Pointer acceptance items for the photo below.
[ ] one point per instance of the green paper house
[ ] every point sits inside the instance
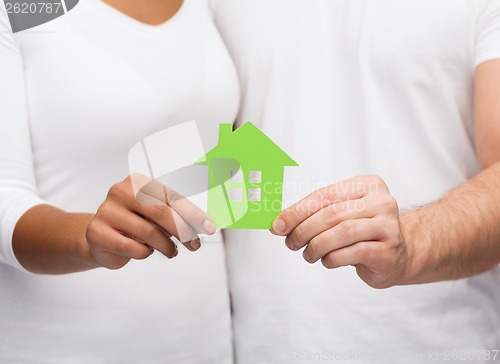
(245, 178)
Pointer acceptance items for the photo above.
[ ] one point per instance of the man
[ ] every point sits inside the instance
(379, 95)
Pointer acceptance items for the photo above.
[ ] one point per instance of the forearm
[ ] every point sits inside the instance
(458, 236)
(47, 240)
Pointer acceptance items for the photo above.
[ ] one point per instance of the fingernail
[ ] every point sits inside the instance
(175, 253)
(195, 244)
(209, 226)
(306, 256)
(289, 243)
(279, 226)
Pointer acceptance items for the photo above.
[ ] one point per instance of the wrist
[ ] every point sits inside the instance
(83, 248)
(418, 262)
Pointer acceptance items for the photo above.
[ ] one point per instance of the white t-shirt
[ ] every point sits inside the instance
(75, 95)
(347, 88)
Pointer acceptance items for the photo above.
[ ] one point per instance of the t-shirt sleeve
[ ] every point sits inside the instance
(18, 191)
(487, 31)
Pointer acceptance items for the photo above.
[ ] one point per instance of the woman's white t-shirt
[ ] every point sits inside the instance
(351, 87)
(75, 95)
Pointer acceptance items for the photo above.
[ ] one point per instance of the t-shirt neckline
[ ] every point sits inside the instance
(117, 16)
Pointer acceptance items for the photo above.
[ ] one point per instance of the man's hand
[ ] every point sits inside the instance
(354, 222)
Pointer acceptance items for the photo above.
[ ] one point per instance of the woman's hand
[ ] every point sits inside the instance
(355, 222)
(140, 216)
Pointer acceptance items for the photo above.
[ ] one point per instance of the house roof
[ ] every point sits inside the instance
(248, 144)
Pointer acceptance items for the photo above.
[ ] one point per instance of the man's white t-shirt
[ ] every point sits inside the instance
(351, 87)
(75, 95)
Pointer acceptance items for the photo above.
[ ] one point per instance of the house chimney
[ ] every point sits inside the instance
(225, 131)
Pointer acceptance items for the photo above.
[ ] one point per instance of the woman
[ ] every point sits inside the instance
(76, 94)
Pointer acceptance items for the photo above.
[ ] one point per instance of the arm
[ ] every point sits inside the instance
(457, 237)
(356, 222)
(51, 241)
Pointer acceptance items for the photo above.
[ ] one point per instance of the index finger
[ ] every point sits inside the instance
(192, 214)
(292, 216)
(153, 192)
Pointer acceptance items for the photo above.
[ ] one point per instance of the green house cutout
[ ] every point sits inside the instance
(245, 184)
